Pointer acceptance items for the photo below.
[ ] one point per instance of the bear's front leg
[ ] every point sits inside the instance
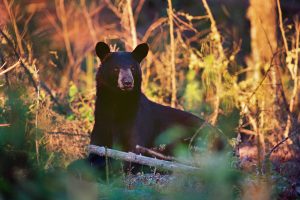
(101, 136)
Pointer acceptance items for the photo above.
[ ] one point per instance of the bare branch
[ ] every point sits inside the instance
(152, 27)
(10, 68)
(143, 160)
(281, 27)
(138, 9)
(292, 134)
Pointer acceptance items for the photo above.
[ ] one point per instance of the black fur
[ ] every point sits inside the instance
(128, 118)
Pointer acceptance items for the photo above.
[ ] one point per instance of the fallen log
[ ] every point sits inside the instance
(140, 159)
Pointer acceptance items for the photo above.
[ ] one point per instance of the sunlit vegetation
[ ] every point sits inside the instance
(199, 61)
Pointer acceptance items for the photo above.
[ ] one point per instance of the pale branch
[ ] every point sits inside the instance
(143, 160)
(4, 125)
(172, 54)
(10, 68)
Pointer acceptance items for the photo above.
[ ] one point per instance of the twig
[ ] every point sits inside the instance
(207, 124)
(214, 29)
(267, 157)
(281, 27)
(263, 79)
(187, 25)
(4, 64)
(261, 151)
(138, 9)
(152, 27)
(246, 131)
(37, 149)
(113, 9)
(143, 160)
(153, 153)
(196, 134)
(13, 21)
(294, 72)
(158, 155)
(217, 37)
(280, 143)
(61, 13)
(10, 68)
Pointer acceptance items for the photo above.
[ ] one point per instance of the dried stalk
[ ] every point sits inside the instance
(158, 155)
(214, 115)
(10, 68)
(259, 139)
(294, 72)
(143, 160)
(281, 27)
(61, 13)
(246, 131)
(151, 152)
(88, 20)
(113, 9)
(172, 54)
(152, 27)
(138, 9)
(214, 30)
(132, 24)
(14, 22)
(217, 37)
(36, 126)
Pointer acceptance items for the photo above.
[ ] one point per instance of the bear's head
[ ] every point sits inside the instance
(120, 71)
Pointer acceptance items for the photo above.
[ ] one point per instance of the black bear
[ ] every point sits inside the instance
(123, 114)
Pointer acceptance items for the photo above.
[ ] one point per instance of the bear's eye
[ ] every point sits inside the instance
(132, 68)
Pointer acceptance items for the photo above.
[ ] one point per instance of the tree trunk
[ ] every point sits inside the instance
(262, 16)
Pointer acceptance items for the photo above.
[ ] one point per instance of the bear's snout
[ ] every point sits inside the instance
(125, 80)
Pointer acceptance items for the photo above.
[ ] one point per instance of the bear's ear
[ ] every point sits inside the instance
(140, 52)
(102, 49)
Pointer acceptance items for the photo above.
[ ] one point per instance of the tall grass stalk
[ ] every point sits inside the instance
(132, 24)
(172, 54)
